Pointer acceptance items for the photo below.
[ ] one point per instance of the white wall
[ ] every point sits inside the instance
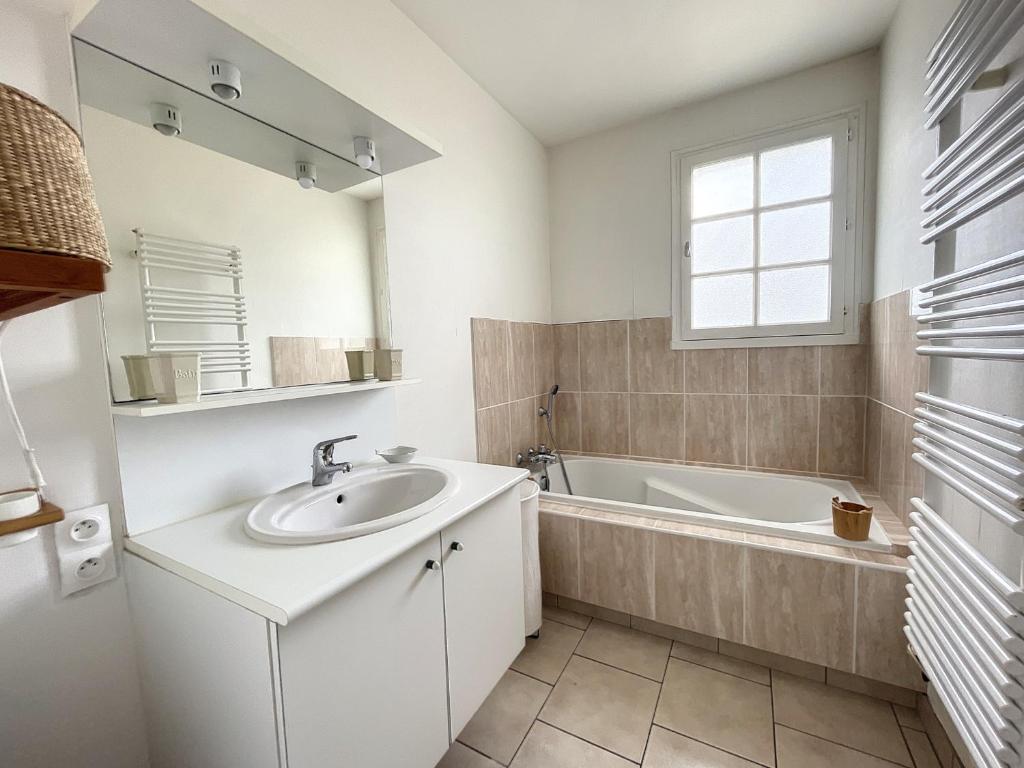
(467, 233)
(905, 148)
(611, 214)
(69, 693)
(305, 252)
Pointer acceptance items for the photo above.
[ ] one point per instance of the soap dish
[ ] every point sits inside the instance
(400, 454)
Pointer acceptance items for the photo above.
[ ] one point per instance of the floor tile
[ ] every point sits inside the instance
(461, 756)
(908, 717)
(501, 723)
(921, 749)
(547, 747)
(603, 705)
(719, 709)
(801, 750)
(625, 648)
(545, 657)
(672, 750)
(838, 715)
(727, 664)
(562, 616)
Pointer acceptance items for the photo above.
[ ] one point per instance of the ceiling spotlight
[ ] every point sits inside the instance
(165, 118)
(366, 152)
(225, 79)
(306, 174)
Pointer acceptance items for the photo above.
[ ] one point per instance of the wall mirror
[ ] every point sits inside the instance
(246, 227)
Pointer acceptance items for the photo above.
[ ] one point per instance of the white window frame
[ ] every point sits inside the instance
(842, 327)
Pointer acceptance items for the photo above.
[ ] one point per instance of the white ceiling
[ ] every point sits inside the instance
(566, 68)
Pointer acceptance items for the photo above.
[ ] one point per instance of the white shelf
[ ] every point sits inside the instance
(144, 409)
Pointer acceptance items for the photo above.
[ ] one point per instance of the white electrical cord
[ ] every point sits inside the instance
(29, 453)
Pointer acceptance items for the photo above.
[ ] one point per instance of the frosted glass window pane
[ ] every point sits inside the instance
(722, 301)
(723, 187)
(803, 233)
(797, 172)
(799, 295)
(722, 244)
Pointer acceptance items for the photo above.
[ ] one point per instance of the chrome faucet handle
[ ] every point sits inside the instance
(323, 460)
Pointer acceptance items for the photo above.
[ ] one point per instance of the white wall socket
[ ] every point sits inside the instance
(85, 548)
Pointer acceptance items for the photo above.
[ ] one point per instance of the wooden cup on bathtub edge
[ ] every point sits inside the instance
(851, 521)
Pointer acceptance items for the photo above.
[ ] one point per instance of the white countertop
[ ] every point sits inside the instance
(281, 582)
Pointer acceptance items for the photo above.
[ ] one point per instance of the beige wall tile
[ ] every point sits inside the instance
(784, 663)
(876, 350)
(604, 423)
(523, 362)
(567, 424)
(656, 426)
(493, 444)
(841, 436)
(567, 356)
(603, 358)
(784, 370)
(873, 444)
(716, 429)
(653, 365)
(559, 554)
(801, 607)
(544, 356)
(490, 361)
(892, 465)
(697, 585)
(617, 567)
(881, 645)
(716, 371)
(524, 424)
(844, 370)
(292, 360)
(783, 432)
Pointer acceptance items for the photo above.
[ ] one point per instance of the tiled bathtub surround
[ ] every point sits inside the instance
(837, 608)
(625, 392)
(513, 366)
(895, 374)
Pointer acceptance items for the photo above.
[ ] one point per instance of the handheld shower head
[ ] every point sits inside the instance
(550, 410)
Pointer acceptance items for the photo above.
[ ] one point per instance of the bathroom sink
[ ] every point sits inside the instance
(364, 501)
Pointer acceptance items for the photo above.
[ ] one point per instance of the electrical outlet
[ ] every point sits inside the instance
(83, 529)
(84, 568)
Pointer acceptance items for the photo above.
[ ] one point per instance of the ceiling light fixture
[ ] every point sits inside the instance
(366, 152)
(305, 173)
(225, 79)
(165, 118)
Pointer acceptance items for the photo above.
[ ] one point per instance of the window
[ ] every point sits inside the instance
(765, 238)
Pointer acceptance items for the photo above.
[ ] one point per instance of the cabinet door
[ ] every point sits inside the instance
(483, 594)
(363, 676)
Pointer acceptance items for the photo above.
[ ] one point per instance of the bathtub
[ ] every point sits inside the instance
(761, 502)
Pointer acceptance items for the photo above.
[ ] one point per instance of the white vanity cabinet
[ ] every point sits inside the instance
(383, 674)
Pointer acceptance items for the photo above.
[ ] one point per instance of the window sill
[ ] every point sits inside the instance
(817, 340)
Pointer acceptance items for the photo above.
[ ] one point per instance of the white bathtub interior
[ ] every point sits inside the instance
(773, 504)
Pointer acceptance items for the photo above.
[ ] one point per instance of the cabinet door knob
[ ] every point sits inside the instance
(457, 546)
(433, 565)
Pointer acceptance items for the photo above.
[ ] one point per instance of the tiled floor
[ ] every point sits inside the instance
(590, 694)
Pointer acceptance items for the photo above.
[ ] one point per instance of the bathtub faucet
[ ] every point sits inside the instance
(537, 456)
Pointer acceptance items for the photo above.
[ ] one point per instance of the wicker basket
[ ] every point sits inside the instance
(47, 203)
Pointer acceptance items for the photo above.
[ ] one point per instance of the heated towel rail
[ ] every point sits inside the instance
(193, 291)
(965, 618)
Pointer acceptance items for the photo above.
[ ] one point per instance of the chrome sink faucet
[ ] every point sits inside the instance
(323, 460)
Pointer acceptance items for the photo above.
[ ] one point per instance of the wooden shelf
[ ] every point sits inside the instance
(48, 513)
(33, 281)
(148, 408)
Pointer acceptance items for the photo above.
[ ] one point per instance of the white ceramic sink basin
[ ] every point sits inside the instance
(367, 500)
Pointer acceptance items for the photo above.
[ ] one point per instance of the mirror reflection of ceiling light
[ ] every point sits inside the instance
(165, 118)
(225, 79)
(366, 152)
(305, 173)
